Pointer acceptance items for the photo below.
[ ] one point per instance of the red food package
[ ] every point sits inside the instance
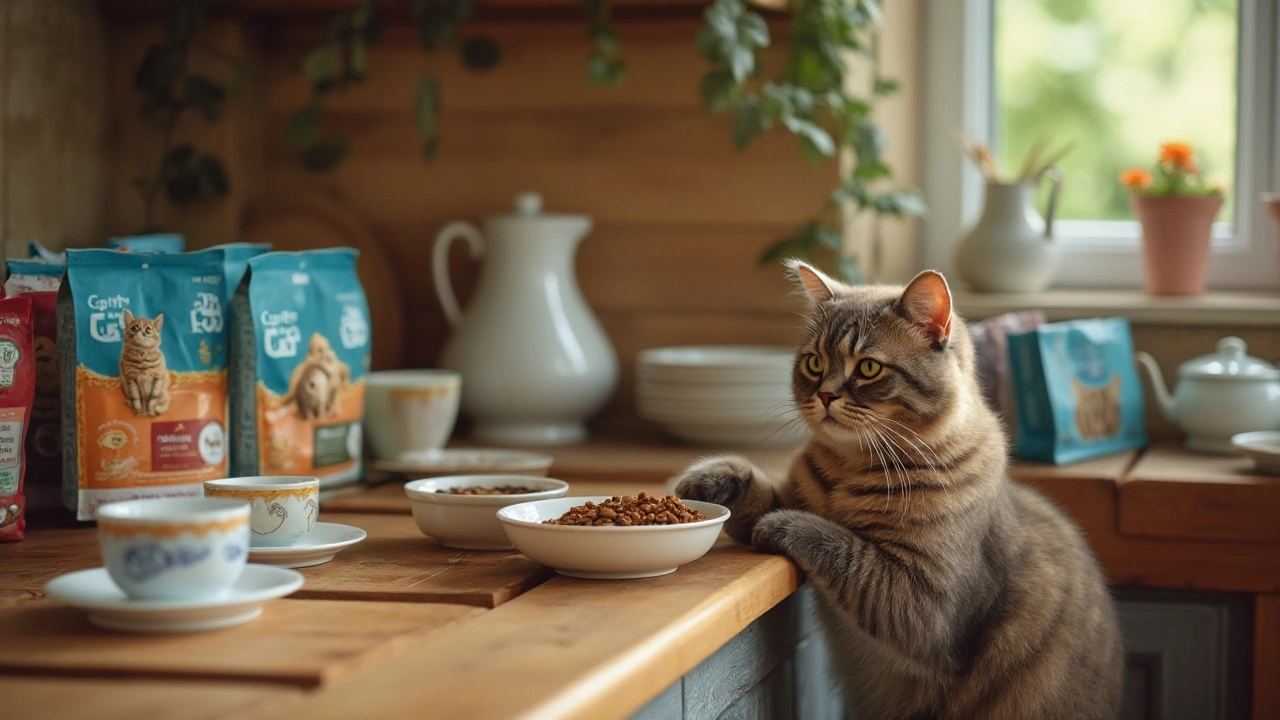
(17, 388)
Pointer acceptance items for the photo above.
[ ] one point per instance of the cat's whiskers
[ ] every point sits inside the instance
(944, 481)
(950, 476)
(904, 479)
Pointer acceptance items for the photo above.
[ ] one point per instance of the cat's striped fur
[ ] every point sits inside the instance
(947, 591)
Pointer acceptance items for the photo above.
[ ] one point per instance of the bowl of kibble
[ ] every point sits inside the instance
(461, 511)
(614, 538)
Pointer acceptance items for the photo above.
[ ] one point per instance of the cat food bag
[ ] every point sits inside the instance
(236, 260)
(17, 385)
(299, 355)
(39, 280)
(40, 252)
(142, 351)
(991, 357)
(155, 243)
(1077, 390)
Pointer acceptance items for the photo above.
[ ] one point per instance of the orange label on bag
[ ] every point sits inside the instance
(119, 448)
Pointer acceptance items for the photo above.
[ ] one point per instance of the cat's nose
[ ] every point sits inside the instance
(826, 398)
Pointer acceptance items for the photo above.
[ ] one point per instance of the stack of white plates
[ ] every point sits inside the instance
(720, 394)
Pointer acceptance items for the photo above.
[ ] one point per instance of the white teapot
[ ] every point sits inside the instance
(535, 362)
(1219, 395)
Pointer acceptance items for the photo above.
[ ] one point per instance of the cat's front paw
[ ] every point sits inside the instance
(774, 532)
(721, 480)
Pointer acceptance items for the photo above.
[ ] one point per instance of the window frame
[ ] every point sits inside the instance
(958, 83)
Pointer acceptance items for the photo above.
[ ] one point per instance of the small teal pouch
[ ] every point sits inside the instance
(1077, 391)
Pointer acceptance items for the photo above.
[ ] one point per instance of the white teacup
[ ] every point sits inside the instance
(282, 509)
(174, 548)
(410, 410)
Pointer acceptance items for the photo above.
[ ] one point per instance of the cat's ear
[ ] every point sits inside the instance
(158, 322)
(128, 317)
(927, 303)
(813, 281)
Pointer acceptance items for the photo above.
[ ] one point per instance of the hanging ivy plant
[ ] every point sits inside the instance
(184, 174)
(808, 98)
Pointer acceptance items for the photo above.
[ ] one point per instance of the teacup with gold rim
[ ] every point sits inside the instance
(283, 509)
(174, 548)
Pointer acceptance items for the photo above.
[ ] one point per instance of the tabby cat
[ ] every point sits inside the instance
(946, 590)
(144, 377)
(1097, 409)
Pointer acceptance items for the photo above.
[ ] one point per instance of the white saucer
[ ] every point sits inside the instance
(1263, 447)
(467, 461)
(108, 606)
(319, 546)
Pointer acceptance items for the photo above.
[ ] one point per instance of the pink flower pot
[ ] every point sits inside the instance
(1175, 242)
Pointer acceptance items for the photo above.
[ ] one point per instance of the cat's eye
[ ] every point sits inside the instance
(133, 328)
(815, 364)
(869, 368)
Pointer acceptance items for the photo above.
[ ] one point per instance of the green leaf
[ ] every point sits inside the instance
(815, 141)
(869, 142)
(304, 128)
(431, 149)
(204, 95)
(324, 154)
(829, 238)
(900, 203)
(872, 10)
(159, 68)
(886, 86)
(741, 63)
(426, 106)
(707, 43)
(213, 177)
(717, 89)
(754, 30)
(748, 122)
(606, 39)
(322, 63)
(358, 60)
(603, 70)
(873, 171)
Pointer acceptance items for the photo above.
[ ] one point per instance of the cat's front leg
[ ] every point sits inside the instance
(891, 591)
(132, 395)
(732, 481)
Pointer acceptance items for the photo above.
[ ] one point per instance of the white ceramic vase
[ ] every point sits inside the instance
(535, 361)
(1011, 249)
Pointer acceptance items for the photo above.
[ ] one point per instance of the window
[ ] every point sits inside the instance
(1116, 78)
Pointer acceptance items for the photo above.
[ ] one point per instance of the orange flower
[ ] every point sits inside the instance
(1135, 178)
(1179, 154)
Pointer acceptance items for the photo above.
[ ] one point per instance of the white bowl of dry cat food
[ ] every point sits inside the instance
(460, 511)
(614, 538)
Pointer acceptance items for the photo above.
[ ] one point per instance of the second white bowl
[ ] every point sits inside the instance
(610, 552)
(470, 522)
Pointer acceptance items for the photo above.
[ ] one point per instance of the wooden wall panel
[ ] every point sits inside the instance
(680, 216)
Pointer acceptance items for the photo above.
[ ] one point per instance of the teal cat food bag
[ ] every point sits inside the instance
(142, 353)
(300, 351)
(236, 258)
(1077, 390)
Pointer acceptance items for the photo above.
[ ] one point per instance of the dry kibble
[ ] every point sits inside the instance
(499, 490)
(630, 511)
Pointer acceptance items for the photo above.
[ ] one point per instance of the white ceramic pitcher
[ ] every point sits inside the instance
(535, 361)
(1011, 249)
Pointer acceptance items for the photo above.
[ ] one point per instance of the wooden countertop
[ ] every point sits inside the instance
(497, 637)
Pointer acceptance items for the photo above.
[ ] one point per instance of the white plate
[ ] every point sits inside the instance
(609, 553)
(319, 546)
(110, 608)
(467, 461)
(1263, 447)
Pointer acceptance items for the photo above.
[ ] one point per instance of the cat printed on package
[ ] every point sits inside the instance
(1097, 409)
(315, 383)
(144, 376)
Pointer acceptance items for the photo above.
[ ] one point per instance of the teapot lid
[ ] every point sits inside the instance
(527, 207)
(1229, 361)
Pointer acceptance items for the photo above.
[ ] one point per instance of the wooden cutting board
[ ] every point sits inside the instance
(317, 219)
(305, 643)
(397, 562)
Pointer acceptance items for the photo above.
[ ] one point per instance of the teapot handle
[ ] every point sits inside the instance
(1055, 176)
(440, 264)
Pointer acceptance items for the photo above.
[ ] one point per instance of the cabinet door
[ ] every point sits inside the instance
(1187, 656)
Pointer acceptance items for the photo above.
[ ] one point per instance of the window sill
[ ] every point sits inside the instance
(1214, 309)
